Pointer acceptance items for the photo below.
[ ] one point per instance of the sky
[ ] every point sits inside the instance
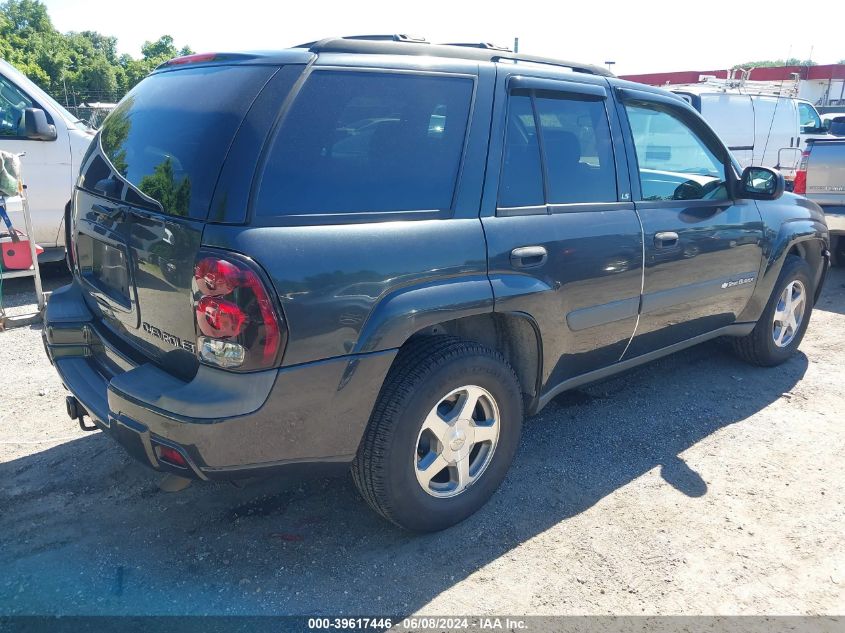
(644, 36)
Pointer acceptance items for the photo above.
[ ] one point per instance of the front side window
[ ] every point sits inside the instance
(810, 119)
(12, 105)
(358, 142)
(674, 162)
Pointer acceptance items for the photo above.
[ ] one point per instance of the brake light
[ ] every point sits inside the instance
(196, 58)
(219, 318)
(800, 183)
(237, 321)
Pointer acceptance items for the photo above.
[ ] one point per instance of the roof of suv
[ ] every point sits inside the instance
(399, 45)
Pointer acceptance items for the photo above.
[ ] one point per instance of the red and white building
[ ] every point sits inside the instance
(822, 85)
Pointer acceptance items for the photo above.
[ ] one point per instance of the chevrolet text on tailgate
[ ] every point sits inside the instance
(379, 254)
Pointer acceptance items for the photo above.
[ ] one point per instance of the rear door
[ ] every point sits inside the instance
(777, 141)
(564, 242)
(143, 198)
(702, 248)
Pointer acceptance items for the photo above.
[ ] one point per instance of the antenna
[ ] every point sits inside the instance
(774, 114)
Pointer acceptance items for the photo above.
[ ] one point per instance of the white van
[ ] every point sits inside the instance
(54, 142)
(759, 129)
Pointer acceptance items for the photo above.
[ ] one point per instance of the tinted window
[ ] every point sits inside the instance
(577, 149)
(364, 141)
(168, 137)
(12, 105)
(674, 163)
(521, 183)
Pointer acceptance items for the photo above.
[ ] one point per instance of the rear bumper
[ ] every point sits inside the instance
(226, 425)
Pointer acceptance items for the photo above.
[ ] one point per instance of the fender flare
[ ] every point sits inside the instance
(799, 231)
(405, 311)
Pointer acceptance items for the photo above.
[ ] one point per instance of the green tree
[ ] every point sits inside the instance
(113, 138)
(85, 65)
(768, 63)
(161, 185)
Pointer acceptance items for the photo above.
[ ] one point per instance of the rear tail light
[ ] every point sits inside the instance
(800, 184)
(238, 324)
(219, 318)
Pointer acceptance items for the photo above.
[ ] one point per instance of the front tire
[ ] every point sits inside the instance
(782, 325)
(442, 435)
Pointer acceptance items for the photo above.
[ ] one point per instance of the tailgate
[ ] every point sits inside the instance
(143, 198)
(826, 172)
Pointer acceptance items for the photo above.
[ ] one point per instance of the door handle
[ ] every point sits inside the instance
(665, 239)
(528, 256)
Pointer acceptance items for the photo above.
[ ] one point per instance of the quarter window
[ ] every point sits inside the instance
(674, 163)
(522, 177)
(368, 142)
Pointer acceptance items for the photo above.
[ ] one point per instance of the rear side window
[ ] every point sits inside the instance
(574, 145)
(169, 135)
(367, 142)
(578, 150)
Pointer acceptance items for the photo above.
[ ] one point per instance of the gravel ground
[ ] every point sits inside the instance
(694, 485)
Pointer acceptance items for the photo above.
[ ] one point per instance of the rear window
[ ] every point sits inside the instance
(168, 137)
(367, 142)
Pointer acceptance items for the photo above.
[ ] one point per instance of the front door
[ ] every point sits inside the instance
(702, 248)
(564, 242)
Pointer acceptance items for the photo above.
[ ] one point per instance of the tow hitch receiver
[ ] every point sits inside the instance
(77, 412)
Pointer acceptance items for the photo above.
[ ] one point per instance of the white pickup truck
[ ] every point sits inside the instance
(54, 142)
(821, 178)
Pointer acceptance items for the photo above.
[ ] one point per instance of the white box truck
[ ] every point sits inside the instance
(759, 129)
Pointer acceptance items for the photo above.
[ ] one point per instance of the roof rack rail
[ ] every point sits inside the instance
(485, 45)
(387, 45)
(377, 37)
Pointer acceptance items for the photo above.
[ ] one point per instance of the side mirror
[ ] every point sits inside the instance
(761, 183)
(36, 127)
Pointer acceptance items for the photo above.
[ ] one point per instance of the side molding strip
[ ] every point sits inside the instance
(737, 329)
(694, 292)
(603, 314)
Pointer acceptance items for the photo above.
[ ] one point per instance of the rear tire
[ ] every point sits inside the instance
(442, 435)
(775, 338)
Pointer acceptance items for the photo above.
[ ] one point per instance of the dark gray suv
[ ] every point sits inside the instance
(382, 254)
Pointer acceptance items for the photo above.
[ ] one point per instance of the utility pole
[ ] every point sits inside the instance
(609, 64)
(516, 45)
